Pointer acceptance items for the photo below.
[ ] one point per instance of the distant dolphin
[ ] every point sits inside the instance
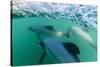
(84, 35)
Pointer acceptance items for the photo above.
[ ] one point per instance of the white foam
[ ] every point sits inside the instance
(81, 14)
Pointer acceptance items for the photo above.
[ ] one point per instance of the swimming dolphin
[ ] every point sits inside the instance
(45, 29)
(83, 34)
(59, 51)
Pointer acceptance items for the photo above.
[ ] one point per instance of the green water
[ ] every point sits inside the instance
(26, 50)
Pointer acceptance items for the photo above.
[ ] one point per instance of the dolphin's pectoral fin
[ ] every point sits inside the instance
(42, 45)
(42, 58)
(68, 32)
(44, 53)
(73, 49)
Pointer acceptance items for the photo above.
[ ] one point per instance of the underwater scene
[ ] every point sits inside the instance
(52, 33)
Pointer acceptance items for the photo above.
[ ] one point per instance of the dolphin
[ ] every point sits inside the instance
(83, 34)
(59, 51)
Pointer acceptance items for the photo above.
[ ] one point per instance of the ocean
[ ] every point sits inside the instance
(25, 44)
